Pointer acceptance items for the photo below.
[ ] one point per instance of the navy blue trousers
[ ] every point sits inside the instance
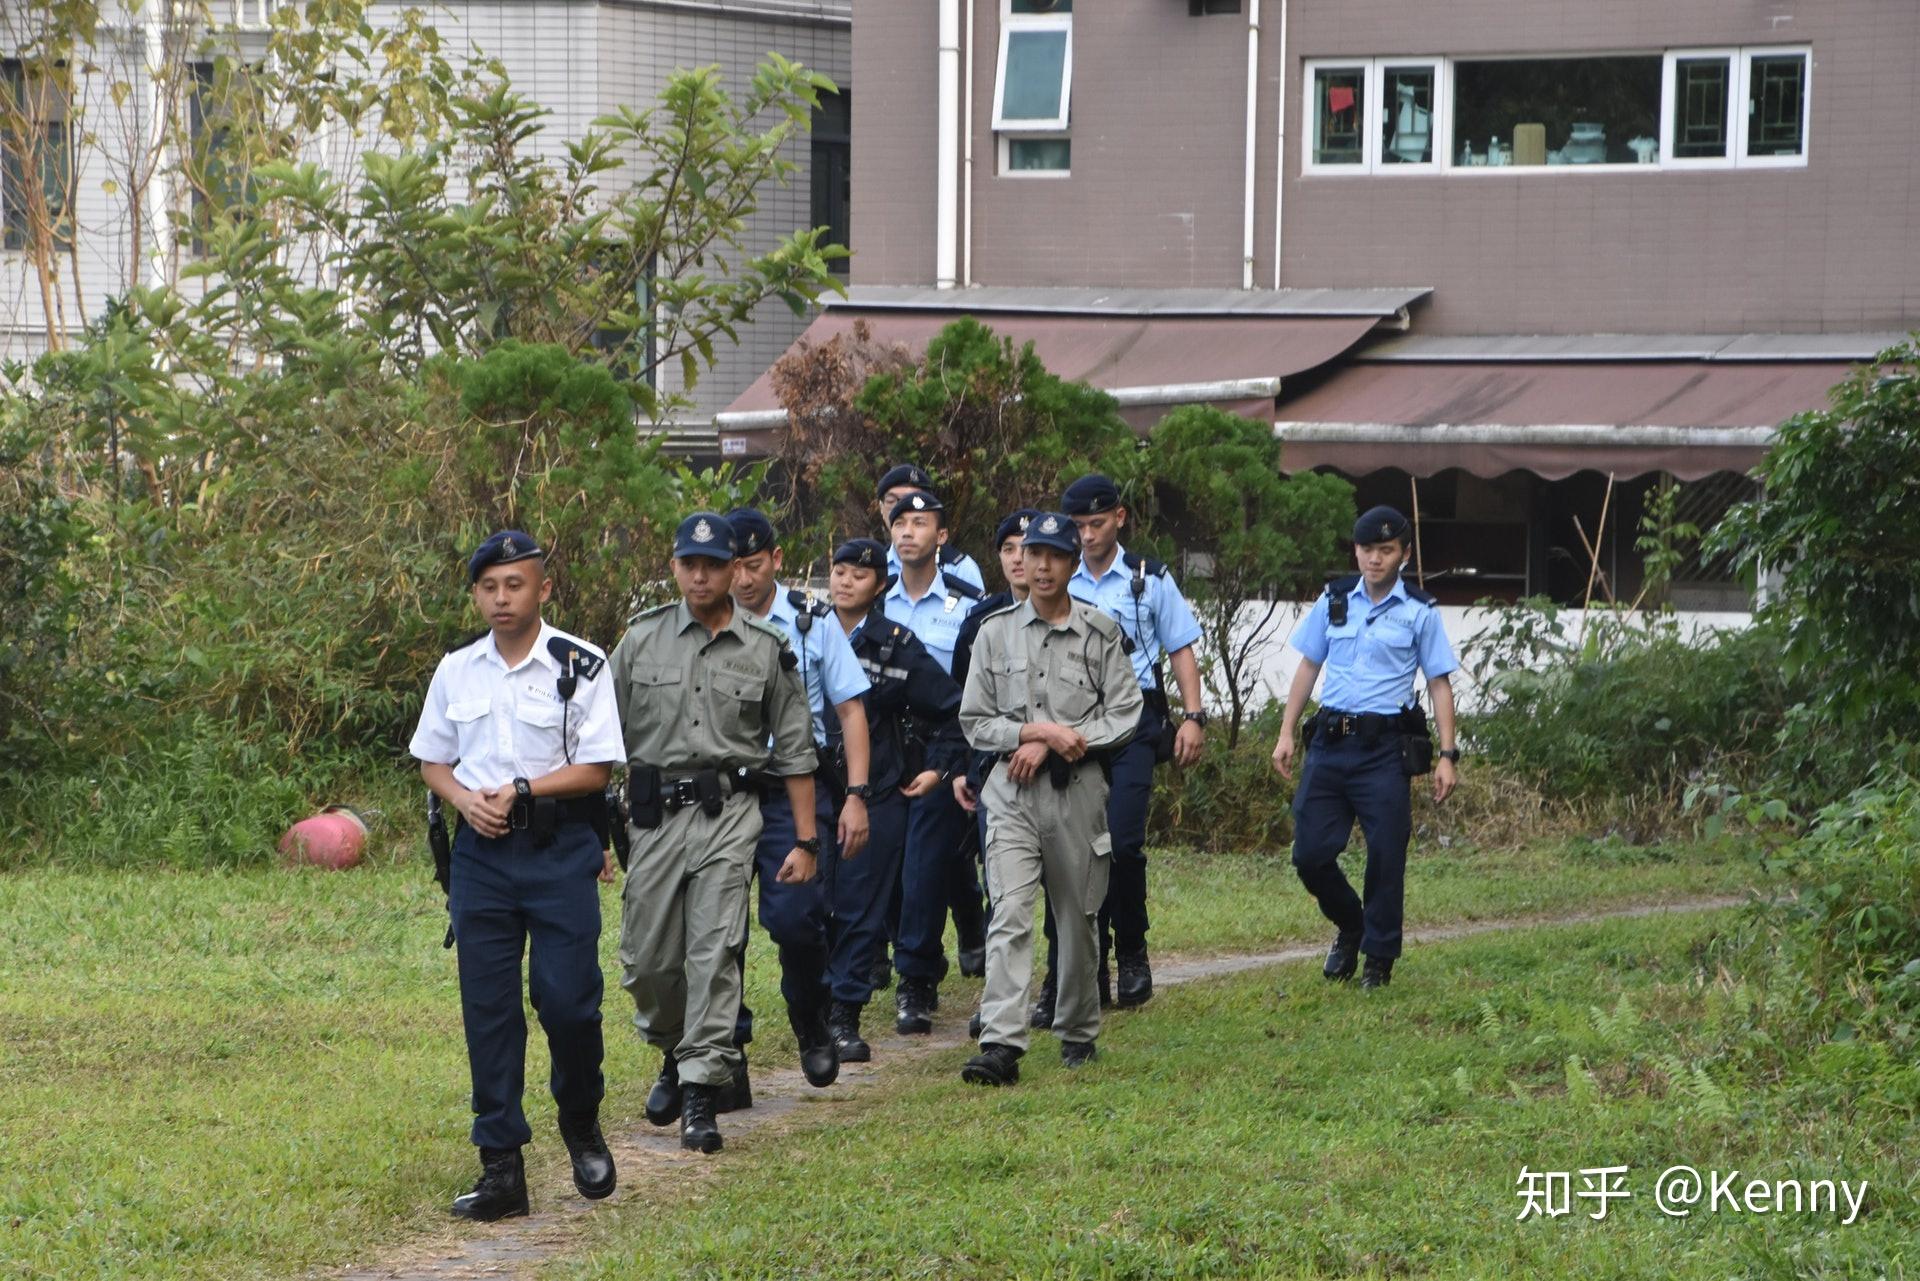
(936, 839)
(862, 889)
(507, 894)
(1340, 782)
(794, 916)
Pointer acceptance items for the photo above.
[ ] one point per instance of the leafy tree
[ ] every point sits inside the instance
(1838, 521)
(1249, 537)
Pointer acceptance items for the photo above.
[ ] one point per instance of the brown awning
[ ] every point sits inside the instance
(1154, 361)
(1690, 418)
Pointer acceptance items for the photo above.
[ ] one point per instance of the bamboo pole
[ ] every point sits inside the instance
(1419, 558)
(1599, 540)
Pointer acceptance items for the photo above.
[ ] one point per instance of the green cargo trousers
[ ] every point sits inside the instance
(1038, 835)
(683, 917)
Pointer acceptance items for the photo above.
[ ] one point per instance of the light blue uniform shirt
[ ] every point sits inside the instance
(1369, 663)
(964, 568)
(827, 665)
(935, 618)
(1160, 622)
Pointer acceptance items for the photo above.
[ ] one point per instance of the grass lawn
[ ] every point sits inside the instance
(228, 1074)
(1278, 1125)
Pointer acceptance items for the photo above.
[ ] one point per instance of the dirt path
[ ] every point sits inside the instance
(783, 1101)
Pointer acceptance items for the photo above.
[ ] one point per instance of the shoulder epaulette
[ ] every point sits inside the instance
(990, 604)
(1415, 593)
(1101, 621)
(1346, 584)
(798, 599)
(649, 613)
(1146, 565)
(951, 555)
(575, 656)
(992, 614)
(768, 627)
(964, 589)
(454, 649)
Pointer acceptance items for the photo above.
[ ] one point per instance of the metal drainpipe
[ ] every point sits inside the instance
(966, 164)
(947, 152)
(1280, 152)
(1253, 96)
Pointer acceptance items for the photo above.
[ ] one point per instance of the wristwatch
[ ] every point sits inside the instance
(863, 790)
(522, 789)
(811, 845)
(1199, 718)
(1450, 754)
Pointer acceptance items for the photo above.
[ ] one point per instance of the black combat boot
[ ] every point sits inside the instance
(501, 1192)
(593, 1171)
(996, 1064)
(976, 1025)
(698, 1132)
(1343, 958)
(843, 1021)
(914, 1005)
(1041, 1015)
(1136, 980)
(663, 1101)
(819, 1060)
(737, 1094)
(1378, 973)
(1077, 1053)
(882, 973)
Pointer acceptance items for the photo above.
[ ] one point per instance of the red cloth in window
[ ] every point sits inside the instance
(1339, 99)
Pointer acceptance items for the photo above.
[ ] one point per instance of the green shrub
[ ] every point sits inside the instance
(38, 527)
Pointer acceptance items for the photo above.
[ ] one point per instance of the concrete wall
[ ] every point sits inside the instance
(1158, 128)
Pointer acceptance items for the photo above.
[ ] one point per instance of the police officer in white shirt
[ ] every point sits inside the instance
(519, 734)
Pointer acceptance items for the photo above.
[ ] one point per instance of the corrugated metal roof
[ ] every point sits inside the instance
(1135, 302)
(1584, 347)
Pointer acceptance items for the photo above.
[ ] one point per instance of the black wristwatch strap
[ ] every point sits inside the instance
(523, 789)
(811, 845)
(1450, 754)
(1199, 718)
(863, 790)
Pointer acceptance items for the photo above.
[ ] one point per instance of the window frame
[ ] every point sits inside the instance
(1743, 118)
(56, 132)
(1004, 160)
(1015, 23)
(1444, 162)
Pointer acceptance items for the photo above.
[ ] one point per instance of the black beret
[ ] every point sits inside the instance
(1089, 496)
(1055, 530)
(1380, 525)
(706, 534)
(503, 548)
(867, 553)
(1012, 525)
(752, 531)
(903, 474)
(918, 500)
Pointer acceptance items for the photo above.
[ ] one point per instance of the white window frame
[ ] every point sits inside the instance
(1373, 89)
(1743, 119)
(1006, 169)
(1445, 145)
(1670, 108)
(1010, 24)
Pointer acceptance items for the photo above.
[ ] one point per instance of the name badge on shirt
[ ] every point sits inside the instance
(952, 601)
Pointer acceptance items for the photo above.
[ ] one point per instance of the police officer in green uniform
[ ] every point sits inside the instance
(701, 686)
(1052, 693)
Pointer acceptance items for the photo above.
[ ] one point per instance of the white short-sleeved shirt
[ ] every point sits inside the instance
(495, 723)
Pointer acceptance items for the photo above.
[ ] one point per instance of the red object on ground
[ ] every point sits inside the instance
(332, 839)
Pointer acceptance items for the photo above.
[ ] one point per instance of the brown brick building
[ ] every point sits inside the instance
(1505, 249)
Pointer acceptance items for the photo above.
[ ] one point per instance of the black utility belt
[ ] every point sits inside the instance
(1408, 726)
(653, 793)
(1060, 770)
(542, 816)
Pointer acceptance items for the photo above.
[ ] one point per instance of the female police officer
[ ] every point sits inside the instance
(1371, 631)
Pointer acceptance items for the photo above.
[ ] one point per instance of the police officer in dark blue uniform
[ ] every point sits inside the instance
(1370, 632)
(519, 734)
(913, 728)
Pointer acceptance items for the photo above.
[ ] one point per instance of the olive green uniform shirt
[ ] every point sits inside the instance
(692, 701)
(1027, 669)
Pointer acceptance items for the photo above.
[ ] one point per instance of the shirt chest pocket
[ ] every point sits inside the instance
(1390, 646)
(735, 704)
(1073, 694)
(1342, 642)
(654, 696)
(1016, 694)
(469, 717)
(538, 715)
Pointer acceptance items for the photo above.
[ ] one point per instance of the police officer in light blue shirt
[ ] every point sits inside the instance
(1139, 594)
(933, 606)
(1370, 633)
(897, 484)
(796, 914)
